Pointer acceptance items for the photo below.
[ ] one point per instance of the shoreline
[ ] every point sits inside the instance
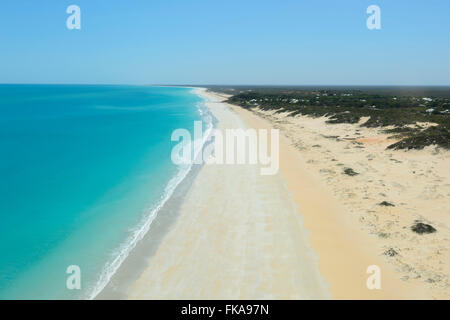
(329, 248)
(232, 242)
(137, 260)
(164, 216)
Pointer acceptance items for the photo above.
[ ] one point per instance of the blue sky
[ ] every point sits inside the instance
(225, 42)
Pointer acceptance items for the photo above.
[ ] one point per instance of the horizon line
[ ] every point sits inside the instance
(229, 85)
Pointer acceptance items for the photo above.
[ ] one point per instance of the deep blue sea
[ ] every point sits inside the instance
(83, 169)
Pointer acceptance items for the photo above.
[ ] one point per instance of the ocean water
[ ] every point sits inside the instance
(83, 171)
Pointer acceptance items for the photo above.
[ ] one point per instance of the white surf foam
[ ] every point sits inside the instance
(141, 230)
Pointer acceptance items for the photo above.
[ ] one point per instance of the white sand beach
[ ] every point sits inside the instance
(309, 232)
(238, 236)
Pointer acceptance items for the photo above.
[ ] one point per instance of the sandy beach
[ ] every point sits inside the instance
(351, 229)
(238, 236)
(308, 232)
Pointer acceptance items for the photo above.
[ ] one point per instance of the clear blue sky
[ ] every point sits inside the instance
(225, 42)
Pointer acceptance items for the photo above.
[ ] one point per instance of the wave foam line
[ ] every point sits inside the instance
(111, 268)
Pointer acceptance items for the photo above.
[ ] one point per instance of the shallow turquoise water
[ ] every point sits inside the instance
(80, 166)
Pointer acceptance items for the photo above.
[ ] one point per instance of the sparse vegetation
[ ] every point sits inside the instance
(350, 172)
(391, 252)
(439, 135)
(422, 228)
(386, 204)
(401, 110)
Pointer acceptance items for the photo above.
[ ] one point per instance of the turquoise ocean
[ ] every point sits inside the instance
(83, 171)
